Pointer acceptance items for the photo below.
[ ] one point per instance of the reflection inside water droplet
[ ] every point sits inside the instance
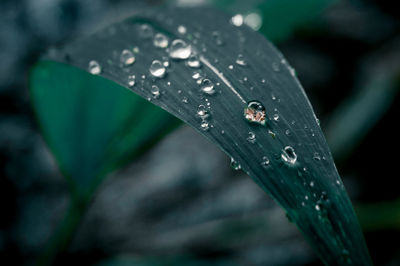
(255, 112)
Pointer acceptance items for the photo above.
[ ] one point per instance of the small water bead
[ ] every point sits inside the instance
(202, 111)
(196, 75)
(94, 67)
(185, 100)
(265, 162)
(180, 49)
(275, 67)
(127, 58)
(235, 165)
(136, 50)
(204, 125)
(146, 31)
(288, 155)
(317, 207)
(251, 137)
(312, 184)
(240, 60)
(160, 40)
(255, 112)
(230, 67)
(317, 157)
(275, 117)
(271, 133)
(193, 61)
(131, 81)
(182, 29)
(237, 20)
(287, 132)
(157, 69)
(155, 91)
(222, 132)
(207, 86)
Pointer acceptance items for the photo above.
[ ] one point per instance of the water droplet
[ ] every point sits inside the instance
(155, 91)
(275, 117)
(222, 132)
(166, 63)
(127, 58)
(235, 165)
(94, 67)
(196, 75)
(146, 31)
(317, 207)
(287, 132)
(265, 162)
(182, 29)
(218, 38)
(306, 197)
(204, 125)
(271, 133)
(275, 67)
(288, 155)
(240, 60)
(185, 100)
(136, 50)
(255, 112)
(207, 86)
(230, 67)
(157, 69)
(202, 111)
(251, 137)
(253, 20)
(131, 81)
(312, 184)
(160, 40)
(193, 61)
(316, 156)
(237, 20)
(180, 49)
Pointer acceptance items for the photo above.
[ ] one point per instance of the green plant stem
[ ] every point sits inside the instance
(64, 233)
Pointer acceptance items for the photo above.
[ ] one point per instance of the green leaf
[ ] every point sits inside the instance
(288, 156)
(91, 124)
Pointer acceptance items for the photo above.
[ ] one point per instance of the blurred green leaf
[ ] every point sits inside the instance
(288, 157)
(92, 125)
(280, 18)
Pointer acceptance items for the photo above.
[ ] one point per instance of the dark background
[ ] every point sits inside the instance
(178, 207)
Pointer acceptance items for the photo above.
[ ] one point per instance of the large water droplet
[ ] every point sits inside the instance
(155, 91)
(255, 112)
(180, 49)
(288, 155)
(207, 86)
(160, 40)
(127, 58)
(94, 67)
(251, 137)
(235, 165)
(240, 60)
(157, 69)
(193, 61)
(237, 20)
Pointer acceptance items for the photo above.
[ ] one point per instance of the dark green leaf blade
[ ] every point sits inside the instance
(301, 175)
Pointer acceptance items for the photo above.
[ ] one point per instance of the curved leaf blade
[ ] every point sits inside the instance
(309, 189)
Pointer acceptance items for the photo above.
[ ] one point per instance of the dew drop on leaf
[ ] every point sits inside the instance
(131, 81)
(265, 162)
(235, 165)
(288, 155)
(160, 40)
(180, 50)
(155, 91)
(251, 137)
(202, 111)
(240, 60)
(255, 112)
(193, 61)
(94, 67)
(182, 29)
(157, 69)
(204, 125)
(207, 86)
